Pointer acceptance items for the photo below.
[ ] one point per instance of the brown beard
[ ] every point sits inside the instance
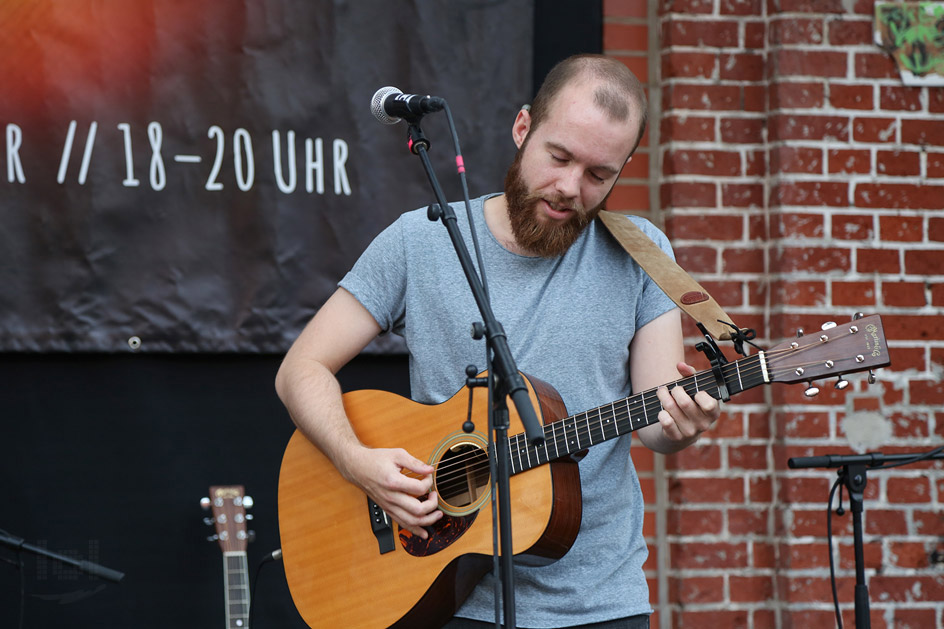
(547, 239)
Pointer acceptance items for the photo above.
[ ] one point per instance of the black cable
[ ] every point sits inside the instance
(919, 457)
(275, 555)
(829, 544)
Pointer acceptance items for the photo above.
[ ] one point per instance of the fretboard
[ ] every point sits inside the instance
(236, 584)
(578, 432)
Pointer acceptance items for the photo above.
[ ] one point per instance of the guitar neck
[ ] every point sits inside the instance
(236, 585)
(578, 432)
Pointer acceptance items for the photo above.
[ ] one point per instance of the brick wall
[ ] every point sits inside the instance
(799, 181)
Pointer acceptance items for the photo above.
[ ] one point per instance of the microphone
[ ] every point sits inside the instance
(389, 105)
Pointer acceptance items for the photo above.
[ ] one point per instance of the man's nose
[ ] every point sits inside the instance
(568, 183)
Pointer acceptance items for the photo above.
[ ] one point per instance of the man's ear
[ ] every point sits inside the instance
(519, 131)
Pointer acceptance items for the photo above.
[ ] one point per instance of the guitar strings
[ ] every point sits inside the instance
(647, 403)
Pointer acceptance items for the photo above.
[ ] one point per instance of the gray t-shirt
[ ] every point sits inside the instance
(569, 321)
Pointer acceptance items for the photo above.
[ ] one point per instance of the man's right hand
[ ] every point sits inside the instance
(398, 482)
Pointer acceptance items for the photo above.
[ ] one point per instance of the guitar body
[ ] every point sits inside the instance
(343, 574)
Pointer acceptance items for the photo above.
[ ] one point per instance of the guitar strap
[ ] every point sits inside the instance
(671, 278)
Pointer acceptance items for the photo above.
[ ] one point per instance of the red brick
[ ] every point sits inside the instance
(794, 30)
(750, 131)
(736, 260)
(851, 96)
(874, 65)
(749, 457)
(755, 34)
(682, 128)
(755, 163)
(805, 589)
(797, 95)
(742, 195)
(637, 168)
(935, 165)
(702, 97)
(812, 259)
(703, 555)
(796, 159)
(936, 229)
(811, 193)
(617, 36)
(921, 131)
(849, 161)
(799, 293)
(822, 63)
(924, 262)
(626, 197)
(874, 129)
(804, 425)
(688, 619)
(801, 127)
(914, 618)
(741, 7)
(898, 163)
(691, 589)
(637, 63)
(698, 490)
(804, 556)
(809, 6)
(904, 294)
(909, 425)
(697, 457)
(907, 589)
(760, 489)
(898, 98)
(849, 32)
(797, 224)
(929, 522)
(878, 261)
(694, 522)
(852, 227)
(684, 6)
(751, 589)
(917, 328)
(755, 98)
(700, 33)
(710, 227)
(741, 66)
(803, 489)
(702, 258)
(853, 293)
(625, 8)
(885, 522)
(936, 101)
(899, 196)
(901, 228)
(682, 194)
(702, 162)
(688, 64)
(747, 521)
(926, 392)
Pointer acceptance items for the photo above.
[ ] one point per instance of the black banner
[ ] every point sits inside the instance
(197, 176)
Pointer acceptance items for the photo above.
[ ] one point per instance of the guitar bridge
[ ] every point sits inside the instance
(382, 527)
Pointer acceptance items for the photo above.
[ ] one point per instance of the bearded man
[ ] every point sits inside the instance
(579, 314)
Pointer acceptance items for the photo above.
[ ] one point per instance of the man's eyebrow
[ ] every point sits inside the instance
(608, 170)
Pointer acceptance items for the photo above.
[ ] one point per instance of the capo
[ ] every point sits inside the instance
(717, 360)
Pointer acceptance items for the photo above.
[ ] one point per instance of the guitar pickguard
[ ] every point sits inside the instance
(447, 530)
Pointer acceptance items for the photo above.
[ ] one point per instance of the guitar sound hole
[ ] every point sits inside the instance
(462, 475)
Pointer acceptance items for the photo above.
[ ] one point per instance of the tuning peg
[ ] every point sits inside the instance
(205, 503)
(249, 516)
(811, 391)
(857, 316)
(213, 538)
(841, 383)
(829, 325)
(799, 332)
(209, 521)
(252, 536)
(871, 376)
(248, 502)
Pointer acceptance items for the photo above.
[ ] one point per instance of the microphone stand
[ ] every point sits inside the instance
(504, 378)
(853, 474)
(94, 569)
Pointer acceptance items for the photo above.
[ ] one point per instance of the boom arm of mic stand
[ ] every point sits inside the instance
(88, 567)
(510, 381)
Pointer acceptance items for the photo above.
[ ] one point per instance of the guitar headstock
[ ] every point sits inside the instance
(228, 504)
(836, 350)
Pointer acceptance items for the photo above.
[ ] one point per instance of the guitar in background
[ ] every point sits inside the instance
(228, 504)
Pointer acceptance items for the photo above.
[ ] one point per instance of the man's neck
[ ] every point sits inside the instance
(496, 218)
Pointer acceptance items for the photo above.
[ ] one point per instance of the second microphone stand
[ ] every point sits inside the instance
(505, 380)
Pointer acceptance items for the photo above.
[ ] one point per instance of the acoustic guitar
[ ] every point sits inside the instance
(348, 565)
